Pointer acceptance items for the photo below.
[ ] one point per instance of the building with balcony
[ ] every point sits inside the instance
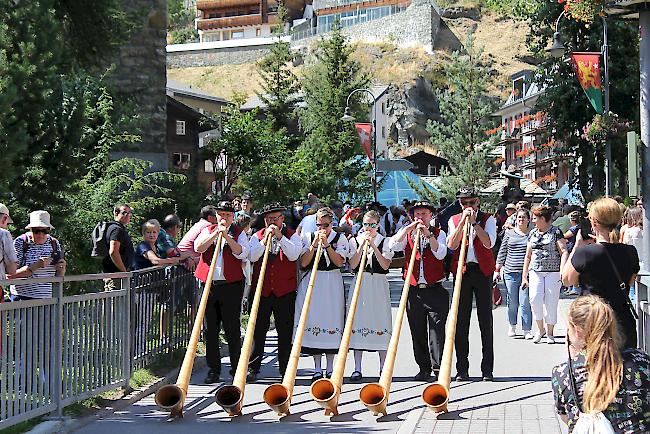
(223, 20)
(352, 12)
(525, 142)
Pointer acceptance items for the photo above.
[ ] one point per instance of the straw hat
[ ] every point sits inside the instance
(39, 219)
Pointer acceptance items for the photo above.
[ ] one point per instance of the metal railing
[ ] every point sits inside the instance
(642, 304)
(58, 351)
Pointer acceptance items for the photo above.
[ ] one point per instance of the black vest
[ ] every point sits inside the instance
(375, 267)
(322, 264)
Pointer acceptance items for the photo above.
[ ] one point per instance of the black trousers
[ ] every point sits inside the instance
(282, 309)
(223, 310)
(475, 284)
(427, 311)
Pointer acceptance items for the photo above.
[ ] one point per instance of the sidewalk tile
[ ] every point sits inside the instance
(513, 411)
(529, 412)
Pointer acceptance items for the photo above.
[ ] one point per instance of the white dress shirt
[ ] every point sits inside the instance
(439, 253)
(242, 240)
(292, 247)
(490, 228)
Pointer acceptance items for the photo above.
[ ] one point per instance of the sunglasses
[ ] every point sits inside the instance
(323, 225)
(40, 231)
(370, 225)
(125, 213)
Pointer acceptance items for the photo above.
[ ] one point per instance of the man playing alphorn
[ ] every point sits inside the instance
(279, 287)
(477, 281)
(428, 301)
(224, 302)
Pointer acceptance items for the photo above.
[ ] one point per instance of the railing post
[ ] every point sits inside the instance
(57, 293)
(169, 333)
(128, 362)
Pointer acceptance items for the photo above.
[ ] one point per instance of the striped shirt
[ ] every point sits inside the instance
(512, 251)
(30, 256)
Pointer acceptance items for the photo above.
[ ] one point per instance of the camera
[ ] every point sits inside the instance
(56, 256)
(585, 228)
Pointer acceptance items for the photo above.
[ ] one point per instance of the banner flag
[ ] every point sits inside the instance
(587, 69)
(364, 132)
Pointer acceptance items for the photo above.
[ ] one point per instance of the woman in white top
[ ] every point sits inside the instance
(324, 329)
(372, 319)
(632, 234)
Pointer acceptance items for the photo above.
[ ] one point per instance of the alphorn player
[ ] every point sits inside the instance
(279, 286)
(324, 328)
(428, 301)
(372, 319)
(224, 301)
(477, 280)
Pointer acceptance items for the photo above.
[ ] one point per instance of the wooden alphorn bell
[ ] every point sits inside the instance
(436, 395)
(278, 396)
(326, 391)
(172, 396)
(231, 397)
(375, 395)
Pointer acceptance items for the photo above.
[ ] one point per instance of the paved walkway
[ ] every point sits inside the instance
(518, 401)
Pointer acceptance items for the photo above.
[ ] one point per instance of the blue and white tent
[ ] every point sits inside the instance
(395, 187)
(573, 196)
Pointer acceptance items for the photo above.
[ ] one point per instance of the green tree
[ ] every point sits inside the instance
(566, 104)
(465, 111)
(331, 144)
(180, 23)
(279, 85)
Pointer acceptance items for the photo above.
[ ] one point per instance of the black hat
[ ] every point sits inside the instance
(423, 204)
(225, 206)
(246, 196)
(272, 207)
(466, 192)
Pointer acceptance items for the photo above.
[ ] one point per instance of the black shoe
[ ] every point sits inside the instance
(251, 377)
(328, 374)
(212, 377)
(488, 377)
(317, 376)
(355, 377)
(462, 376)
(422, 376)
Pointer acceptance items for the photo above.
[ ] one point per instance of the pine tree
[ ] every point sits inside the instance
(465, 111)
(331, 144)
(280, 86)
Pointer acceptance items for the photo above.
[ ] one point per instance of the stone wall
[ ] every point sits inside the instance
(141, 72)
(417, 25)
(216, 56)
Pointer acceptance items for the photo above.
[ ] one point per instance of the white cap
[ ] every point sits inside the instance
(39, 219)
(5, 210)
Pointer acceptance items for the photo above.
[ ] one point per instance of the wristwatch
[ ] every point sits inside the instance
(474, 224)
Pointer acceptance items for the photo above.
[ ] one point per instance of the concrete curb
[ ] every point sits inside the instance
(69, 425)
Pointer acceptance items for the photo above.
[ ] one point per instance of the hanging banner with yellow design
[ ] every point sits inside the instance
(587, 68)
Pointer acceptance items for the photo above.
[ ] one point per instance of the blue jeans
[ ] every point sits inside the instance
(518, 299)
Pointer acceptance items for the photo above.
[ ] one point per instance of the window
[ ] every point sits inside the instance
(237, 34)
(180, 128)
(258, 32)
(181, 161)
(225, 35)
(208, 166)
(383, 108)
(383, 132)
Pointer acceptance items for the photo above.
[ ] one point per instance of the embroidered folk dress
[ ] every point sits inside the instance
(372, 321)
(325, 321)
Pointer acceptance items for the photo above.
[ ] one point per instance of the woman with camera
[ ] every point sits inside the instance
(606, 269)
(39, 255)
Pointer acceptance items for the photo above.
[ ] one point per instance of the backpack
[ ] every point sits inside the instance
(100, 243)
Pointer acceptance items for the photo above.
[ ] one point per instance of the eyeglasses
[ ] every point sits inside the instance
(40, 231)
(323, 225)
(468, 202)
(370, 225)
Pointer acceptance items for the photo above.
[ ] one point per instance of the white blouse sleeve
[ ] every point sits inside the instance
(343, 247)
(386, 250)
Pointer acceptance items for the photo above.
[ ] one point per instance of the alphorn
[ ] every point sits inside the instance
(326, 391)
(231, 397)
(171, 397)
(278, 396)
(375, 395)
(436, 396)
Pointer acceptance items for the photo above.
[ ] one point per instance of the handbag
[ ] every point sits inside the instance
(497, 299)
(587, 423)
(621, 284)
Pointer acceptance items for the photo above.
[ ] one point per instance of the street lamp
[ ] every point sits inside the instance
(557, 50)
(347, 117)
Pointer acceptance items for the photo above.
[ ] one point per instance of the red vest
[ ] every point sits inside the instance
(232, 267)
(483, 254)
(280, 277)
(434, 269)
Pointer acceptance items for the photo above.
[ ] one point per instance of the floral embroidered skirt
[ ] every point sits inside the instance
(325, 324)
(372, 320)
